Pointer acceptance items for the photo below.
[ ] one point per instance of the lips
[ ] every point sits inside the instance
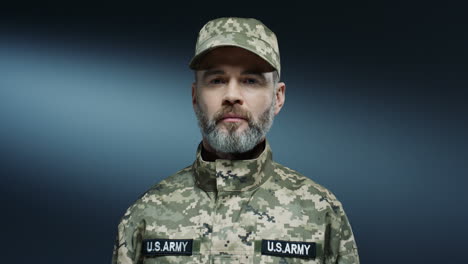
(232, 118)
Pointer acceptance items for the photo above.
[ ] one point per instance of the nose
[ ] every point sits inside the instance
(233, 94)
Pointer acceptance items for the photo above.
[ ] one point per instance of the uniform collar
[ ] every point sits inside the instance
(232, 175)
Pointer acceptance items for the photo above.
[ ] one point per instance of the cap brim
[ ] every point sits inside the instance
(195, 62)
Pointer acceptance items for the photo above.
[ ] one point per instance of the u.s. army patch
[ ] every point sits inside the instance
(288, 248)
(165, 247)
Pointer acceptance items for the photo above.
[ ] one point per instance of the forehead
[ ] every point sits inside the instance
(234, 57)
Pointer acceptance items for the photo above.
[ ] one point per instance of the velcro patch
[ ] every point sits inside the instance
(289, 248)
(165, 247)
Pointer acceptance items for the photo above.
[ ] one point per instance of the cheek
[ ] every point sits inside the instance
(257, 105)
(207, 103)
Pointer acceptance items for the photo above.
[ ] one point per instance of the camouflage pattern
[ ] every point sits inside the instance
(228, 206)
(247, 33)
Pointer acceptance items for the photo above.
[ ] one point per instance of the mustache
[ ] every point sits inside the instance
(230, 109)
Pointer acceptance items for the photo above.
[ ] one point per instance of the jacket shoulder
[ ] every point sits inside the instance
(177, 182)
(294, 184)
(181, 179)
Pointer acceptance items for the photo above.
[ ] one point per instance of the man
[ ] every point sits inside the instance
(234, 204)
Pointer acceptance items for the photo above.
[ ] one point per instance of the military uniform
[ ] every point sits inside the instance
(236, 211)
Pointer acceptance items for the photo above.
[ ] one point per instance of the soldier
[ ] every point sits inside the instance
(234, 204)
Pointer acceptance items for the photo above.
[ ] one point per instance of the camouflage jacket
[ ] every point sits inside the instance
(236, 211)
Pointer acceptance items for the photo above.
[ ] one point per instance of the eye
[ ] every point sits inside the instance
(250, 81)
(216, 81)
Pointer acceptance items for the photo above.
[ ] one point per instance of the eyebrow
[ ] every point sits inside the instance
(256, 73)
(208, 73)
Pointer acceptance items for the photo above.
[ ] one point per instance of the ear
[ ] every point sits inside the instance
(280, 96)
(194, 93)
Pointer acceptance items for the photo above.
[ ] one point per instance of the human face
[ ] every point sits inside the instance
(234, 99)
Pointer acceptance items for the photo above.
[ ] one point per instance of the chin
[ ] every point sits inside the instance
(233, 127)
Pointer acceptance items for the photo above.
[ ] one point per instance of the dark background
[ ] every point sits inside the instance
(95, 108)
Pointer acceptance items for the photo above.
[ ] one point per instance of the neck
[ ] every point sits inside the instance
(210, 154)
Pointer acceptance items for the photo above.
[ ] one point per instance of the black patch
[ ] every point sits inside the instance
(288, 248)
(167, 247)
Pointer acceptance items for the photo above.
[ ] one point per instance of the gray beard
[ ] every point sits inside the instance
(232, 141)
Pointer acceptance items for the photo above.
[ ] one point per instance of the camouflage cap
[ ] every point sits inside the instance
(247, 33)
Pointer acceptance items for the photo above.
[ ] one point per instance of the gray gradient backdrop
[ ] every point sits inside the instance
(95, 108)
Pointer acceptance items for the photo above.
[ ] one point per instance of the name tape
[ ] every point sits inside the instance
(164, 247)
(289, 248)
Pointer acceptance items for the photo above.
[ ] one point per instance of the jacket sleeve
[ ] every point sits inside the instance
(347, 252)
(127, 247)
(122, 253)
